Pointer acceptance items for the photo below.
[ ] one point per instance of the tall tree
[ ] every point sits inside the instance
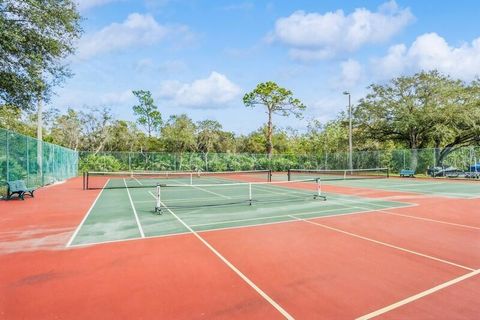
(67, 130)
(96, 128)
(124, 136)
(11, 118)
(36, 36)
(208, 135)
(178, 134)
(402, 110)
(147, 112)
(458, 120)
(276, 100)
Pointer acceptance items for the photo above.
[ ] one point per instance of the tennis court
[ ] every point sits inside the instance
(252, 244)
(125, 208)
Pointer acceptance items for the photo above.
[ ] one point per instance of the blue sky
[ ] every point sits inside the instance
(200, 57)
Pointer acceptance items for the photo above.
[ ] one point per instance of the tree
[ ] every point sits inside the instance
(403, 110)
(124, 136)
(11, 118)
(458, 121)
(96, 128)
(147, 112)
(178, 135)
(36, 37)
(208, 135)
(67, 130)
(276, 100)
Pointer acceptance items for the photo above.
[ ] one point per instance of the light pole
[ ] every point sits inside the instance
(350, 148)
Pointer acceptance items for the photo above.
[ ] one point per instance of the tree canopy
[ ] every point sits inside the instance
(424, 110)
(36, 37)
(147, 112)
(276, 100)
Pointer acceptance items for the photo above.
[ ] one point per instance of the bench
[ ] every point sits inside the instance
(407, 173)
(18, 187)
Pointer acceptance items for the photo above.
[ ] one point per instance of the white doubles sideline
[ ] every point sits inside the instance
(142, 234)
(69, 243)
(418, 296)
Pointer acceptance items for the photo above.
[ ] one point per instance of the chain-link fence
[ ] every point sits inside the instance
(419, 160)
(37, 163)
(20, 159)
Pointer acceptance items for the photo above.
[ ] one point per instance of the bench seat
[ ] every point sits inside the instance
(19, 188)
(407, 173)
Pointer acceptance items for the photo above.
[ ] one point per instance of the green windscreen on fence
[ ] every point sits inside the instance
(37, 163)
(395, 160)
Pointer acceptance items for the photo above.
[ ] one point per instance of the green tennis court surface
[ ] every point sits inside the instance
(128, 213)
(376, 179)
(125, 207)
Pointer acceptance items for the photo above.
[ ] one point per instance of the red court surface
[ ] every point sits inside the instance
(418, 262)
(168, 278)
(336, 276)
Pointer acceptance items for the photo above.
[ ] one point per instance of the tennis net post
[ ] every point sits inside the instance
(319, 194)
(158, 205)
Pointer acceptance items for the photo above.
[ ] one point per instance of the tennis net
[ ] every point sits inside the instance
(116, 180)
(225, 194)
(329, 175)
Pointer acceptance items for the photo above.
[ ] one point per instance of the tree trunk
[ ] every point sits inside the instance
(269, 135)
(414, 159)
(39, 139)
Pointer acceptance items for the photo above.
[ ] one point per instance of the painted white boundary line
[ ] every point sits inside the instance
(418, 296)
(412, 217)
(134, 210)
(69, 243)
(231, 266)
(128, 239)
(249, 225)
(202, 189)
(433, 220)
(385, 244)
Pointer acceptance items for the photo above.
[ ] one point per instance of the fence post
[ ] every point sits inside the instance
(28, 162)
(7, 153)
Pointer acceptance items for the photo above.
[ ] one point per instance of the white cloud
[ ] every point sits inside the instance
(430, 51)
(136, 30)
(319, 36)
(212, 92)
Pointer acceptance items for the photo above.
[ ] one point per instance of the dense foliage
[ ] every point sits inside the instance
(35, 37)
(276, 100)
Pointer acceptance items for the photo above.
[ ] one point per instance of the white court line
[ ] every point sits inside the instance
(418, 296)
(129, 239)
(142, 234)
(69, 243)
(296, 220)
(433, 220)
(385, 244)
(438, 194)
(408, 216)
(202, 189)
(242, 226)
(231, 266)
